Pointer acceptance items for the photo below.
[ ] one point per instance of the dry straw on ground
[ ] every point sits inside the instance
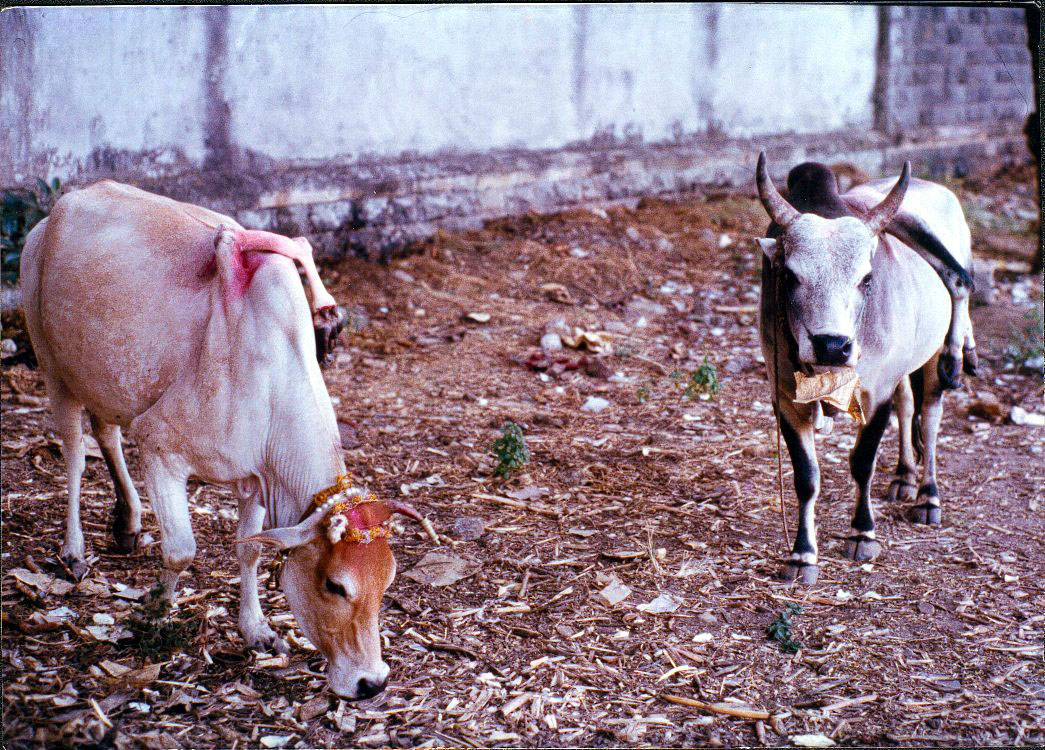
(656, 500)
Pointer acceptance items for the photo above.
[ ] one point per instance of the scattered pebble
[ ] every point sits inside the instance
(595, 403)
(469, 528)
(551, 342)
(1020, 416)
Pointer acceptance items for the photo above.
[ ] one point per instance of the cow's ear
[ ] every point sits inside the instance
(768, 246)
(288, 537)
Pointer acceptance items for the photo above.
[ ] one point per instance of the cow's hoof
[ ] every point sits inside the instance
(925, 513)
(77, 568)
(125, 542)
(264, 638)
(949, 370)
(901, 491)
(799, 572)
(861, 549)
(970, 361)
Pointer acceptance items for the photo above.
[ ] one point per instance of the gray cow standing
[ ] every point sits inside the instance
(845, 284)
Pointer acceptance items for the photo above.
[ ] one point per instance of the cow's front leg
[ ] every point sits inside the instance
(905, 484)
(252, 624)
(166, 487)
(927, 511)
(862, 544)
(798, 434)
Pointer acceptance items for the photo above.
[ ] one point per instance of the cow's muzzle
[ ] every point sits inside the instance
(832, 350)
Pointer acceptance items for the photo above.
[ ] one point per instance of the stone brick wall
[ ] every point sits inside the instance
(955, 66)
(951, 86)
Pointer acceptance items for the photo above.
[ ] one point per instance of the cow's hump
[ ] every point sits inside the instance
(813, 189)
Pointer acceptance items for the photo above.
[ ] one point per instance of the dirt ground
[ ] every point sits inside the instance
(938, 642)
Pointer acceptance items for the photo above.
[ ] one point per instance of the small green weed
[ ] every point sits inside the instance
(157, 632)
(645, 392)
(510, 450)
(1027, 342)
(780, 629)
(20, 211)
(703, 382)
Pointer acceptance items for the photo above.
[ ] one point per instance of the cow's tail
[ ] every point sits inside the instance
(917, 436)
(915, 233)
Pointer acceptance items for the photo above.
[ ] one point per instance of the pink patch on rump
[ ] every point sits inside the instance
(250, 248)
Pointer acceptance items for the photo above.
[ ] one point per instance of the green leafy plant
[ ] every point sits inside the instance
(157, 632)
(20, 211)
(780, 629)
(510, 450)
(645, 392)
(703, 381)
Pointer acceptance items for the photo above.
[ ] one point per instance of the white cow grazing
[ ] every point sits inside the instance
(174, 322)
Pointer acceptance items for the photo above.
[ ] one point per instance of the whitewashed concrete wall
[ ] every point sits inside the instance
(83, 85)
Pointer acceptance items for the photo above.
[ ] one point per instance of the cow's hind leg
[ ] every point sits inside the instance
(862, 544)
(927, 511)
(798, 434)
(127, 512)
(905, 485)
(68, 419)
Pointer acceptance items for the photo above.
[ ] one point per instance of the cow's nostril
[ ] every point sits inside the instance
(368, 689)
(831, 350)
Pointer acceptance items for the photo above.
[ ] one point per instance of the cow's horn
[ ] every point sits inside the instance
(779, 210)
(879, 216)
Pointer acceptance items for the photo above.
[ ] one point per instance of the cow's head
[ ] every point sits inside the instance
(338, 568)
(826, 269)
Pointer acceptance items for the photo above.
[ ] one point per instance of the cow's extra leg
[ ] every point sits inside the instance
(969, 358)
(68, 419)
(950, 364)
(252, 624)
(927, 511)
(798, 434)
(905, 484)
(166, 487)
(127, 512)
(861, 544)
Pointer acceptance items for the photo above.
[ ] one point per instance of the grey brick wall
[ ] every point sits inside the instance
(955, 66)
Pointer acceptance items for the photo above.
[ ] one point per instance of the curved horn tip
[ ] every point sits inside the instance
(398, 506)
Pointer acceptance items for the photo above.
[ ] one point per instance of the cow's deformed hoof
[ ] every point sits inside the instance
(77, 569)
(925, 513)
(901, 490)
(796, 571)
(125, 542)
(328, 323)
(949, 370)
(970, 361)
(861, 548)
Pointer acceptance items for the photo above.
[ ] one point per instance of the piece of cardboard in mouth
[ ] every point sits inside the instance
(840, 388)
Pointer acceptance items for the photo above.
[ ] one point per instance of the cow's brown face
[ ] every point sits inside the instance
(339, 567)
(335, 591)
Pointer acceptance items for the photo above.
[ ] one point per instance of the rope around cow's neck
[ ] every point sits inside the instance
(778, 320)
